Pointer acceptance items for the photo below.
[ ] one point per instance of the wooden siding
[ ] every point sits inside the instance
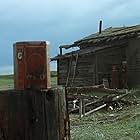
(107, 58)
(33, 115)
(63, 67)
(89, 69)
(133, 59)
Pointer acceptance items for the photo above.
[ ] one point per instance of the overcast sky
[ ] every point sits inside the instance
(58, 21)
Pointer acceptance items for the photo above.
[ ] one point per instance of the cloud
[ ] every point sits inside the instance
(59, 21)
(61, 12)
(124, 9)
(44, 10)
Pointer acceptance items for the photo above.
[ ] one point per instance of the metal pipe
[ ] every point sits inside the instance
(100, 27)
(60, 50)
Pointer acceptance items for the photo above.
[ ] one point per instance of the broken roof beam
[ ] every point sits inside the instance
(66, 47)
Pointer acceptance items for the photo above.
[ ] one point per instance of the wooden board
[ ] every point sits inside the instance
(33, 115)
(31, 65)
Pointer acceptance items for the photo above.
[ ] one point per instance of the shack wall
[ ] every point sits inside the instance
(62, 70)
(133, 60)
(77, 70)
(107, 58)
(84, 74)
(89, 69)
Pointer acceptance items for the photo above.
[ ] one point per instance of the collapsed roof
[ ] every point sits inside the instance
(110, 34)
(106, 36)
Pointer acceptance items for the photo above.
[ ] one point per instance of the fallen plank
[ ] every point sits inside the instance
(96, 109)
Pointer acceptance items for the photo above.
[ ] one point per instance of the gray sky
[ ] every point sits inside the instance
(58, 21)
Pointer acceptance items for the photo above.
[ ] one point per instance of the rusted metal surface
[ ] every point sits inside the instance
(34, 115)
(31, 65)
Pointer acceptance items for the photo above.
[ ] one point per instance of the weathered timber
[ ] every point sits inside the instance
(33, 115)
(99, 88)
(90, 69)
(98, 104)
(96, 109)
(81, 108)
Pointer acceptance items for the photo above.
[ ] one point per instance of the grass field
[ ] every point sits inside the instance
(103, 125)
(7, 82)
(121, 124)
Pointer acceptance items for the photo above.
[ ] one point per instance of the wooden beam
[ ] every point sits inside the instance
(81, 108)
(84, 108)
(96, 69)
(99, 88)
(96, 109)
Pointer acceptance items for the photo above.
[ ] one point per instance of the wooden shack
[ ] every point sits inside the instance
(97, 54)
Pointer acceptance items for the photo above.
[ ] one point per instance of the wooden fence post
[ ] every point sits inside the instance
(84, 108)
(34, 115)
(81, 108)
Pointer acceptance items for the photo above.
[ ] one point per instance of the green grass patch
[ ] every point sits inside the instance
(7, 81)
(123, 125)
(53, 73)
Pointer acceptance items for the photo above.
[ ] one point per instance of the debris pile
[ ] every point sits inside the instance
(84, 100)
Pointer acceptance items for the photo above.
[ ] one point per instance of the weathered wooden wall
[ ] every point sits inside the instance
(76, 71)
(33, 115)
(85, 71)
(133, 59)
(108, 57)
(62, 70)
(89, 69)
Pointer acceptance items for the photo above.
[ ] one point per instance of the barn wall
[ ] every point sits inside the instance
(133, 59)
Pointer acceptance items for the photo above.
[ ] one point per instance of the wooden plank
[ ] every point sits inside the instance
(99, 88)
(33, 115)
(81, 108)
(96, 109)
(84, 108)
